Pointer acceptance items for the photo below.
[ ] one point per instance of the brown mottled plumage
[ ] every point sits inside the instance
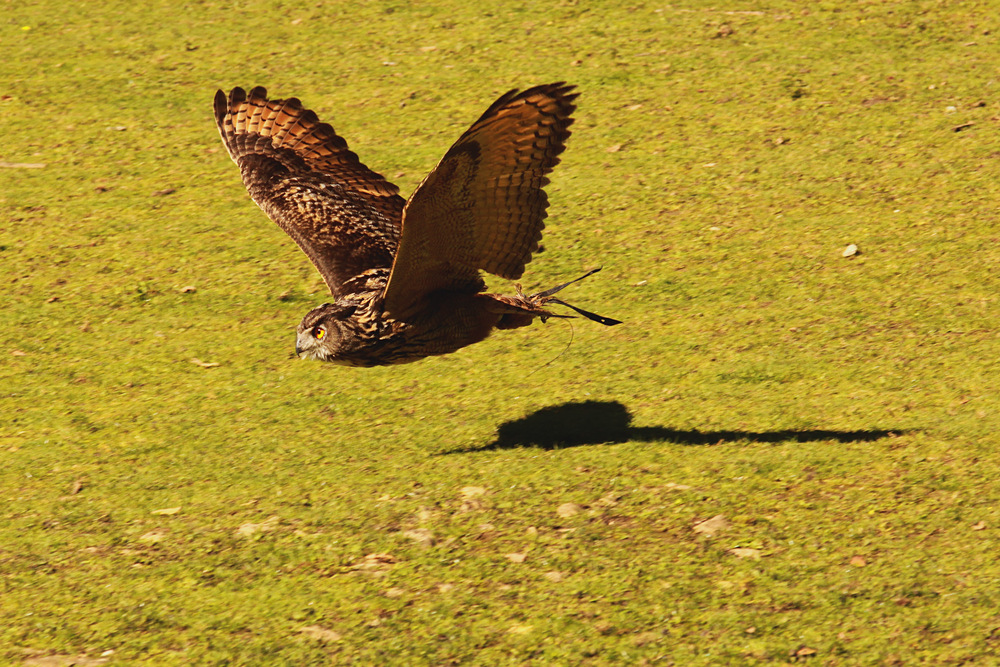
(405, 274)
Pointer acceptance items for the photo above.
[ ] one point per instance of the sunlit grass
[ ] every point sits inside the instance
(532, 498)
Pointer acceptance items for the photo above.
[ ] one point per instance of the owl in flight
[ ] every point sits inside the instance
(404, 275)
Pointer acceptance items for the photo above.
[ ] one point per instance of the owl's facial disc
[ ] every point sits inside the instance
(308, 344)
(318, 335)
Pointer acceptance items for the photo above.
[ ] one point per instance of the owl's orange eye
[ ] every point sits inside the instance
(318, 333)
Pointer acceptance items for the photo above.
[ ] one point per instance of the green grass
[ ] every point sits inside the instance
(521, 501)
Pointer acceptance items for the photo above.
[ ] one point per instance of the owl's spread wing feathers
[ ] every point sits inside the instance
(343, 215)
(483, 206)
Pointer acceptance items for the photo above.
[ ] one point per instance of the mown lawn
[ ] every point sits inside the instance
(784, 455)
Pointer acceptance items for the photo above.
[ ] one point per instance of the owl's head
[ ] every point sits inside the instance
(326, 333)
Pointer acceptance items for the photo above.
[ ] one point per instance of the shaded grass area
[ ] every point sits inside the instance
(540, 497)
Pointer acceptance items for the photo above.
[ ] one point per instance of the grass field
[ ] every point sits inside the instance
(784, 455)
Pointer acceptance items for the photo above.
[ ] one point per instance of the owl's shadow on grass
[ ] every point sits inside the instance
(602, 422)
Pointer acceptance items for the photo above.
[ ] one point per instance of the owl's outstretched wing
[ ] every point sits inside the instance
(343, 215)
(482, 208)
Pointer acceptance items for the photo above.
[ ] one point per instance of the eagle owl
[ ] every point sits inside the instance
(404, 275)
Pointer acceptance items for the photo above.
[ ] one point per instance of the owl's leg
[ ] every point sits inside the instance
(515, 311)
(518, 311)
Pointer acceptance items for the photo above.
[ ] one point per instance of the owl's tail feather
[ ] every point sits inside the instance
(558, 288)
(607, 321)
(545, 297)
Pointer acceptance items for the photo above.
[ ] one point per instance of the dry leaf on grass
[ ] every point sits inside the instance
(375, 562)
(22, 165)
(470, 505)
(152, 537)
(421, 536)
(516, 558)
(711, 526)
(608, 499)
(567, 510)
(248, 529)
(320, 633)
(745, 552)
(64, 661)
(858, 561)
(470, 498)
(167, 511)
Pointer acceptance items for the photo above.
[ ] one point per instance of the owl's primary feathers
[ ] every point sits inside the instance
(405, 274)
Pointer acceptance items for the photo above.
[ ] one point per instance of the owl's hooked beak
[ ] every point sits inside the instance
(298, 347)
(304, 347)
